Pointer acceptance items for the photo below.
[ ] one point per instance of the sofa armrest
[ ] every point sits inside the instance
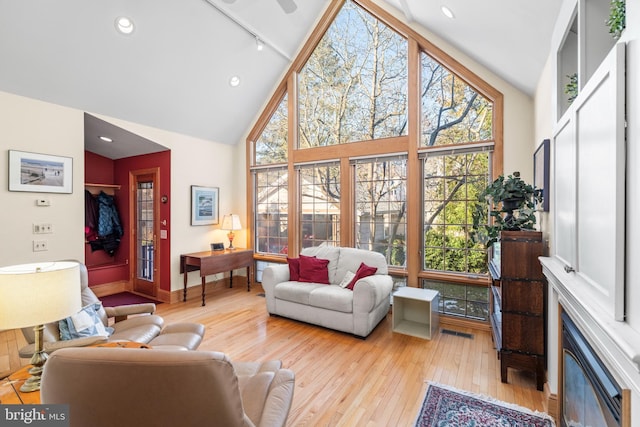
(369, 291)
(271, 276)
(122, 311)
(51, 346)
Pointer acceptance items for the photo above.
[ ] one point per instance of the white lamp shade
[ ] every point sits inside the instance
(39, 293)
(231, 222)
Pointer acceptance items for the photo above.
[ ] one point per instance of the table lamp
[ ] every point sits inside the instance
(231, 222)
(35, 294)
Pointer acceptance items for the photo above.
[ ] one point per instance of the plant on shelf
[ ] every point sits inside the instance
(571, 88)
(617, 20)
(510, 203)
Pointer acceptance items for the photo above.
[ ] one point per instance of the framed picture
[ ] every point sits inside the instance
(204, 205)
(40, 173)
(541, 172)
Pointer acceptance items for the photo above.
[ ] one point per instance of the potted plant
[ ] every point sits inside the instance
(617, 18)
(511, 204)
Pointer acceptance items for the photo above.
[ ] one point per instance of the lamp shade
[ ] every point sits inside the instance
(231, 222)
(39, 293)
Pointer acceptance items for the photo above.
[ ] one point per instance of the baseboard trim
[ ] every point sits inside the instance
(552, 403)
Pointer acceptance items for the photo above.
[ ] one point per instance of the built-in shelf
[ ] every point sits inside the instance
(582, 42)
(97, 188)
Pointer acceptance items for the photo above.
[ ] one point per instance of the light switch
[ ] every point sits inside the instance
(163, 234)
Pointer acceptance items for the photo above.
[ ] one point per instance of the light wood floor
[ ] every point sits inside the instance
(341, 380)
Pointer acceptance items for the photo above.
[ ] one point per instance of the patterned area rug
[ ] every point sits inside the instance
(446, 406)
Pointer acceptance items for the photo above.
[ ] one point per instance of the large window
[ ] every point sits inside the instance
(319, 204)
(354, 85)
(381, 206)
(377, 139)
(452, 111)
(271, 210)
(451, 186)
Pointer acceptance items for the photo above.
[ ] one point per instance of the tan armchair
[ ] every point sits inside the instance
(143, 329)
(139, 387)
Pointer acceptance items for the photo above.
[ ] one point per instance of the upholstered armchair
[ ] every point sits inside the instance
(139, 387)
(143, 326)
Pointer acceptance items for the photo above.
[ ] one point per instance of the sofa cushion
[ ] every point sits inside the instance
(85, 323)
(294, 268)
(363, 271)
(331, 253)
(332, 297)
(314, 270)
(351, 258)
(347, 279)
(295, 291)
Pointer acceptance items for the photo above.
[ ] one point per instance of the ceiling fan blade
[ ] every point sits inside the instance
(288, 6)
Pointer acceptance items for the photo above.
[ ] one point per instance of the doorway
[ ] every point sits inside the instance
(145, 214)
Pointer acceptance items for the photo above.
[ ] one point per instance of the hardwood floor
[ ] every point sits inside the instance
(341, 380)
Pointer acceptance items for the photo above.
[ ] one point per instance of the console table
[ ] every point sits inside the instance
(213, 262)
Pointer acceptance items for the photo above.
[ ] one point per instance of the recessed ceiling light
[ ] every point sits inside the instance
(234, 81)
(106, 139)
(124, 25)
(447, 12)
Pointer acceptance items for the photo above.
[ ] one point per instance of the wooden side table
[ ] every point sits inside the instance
(213, 262)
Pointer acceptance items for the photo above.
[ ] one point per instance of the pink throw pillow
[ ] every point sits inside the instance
(314, 270)
(294, 268)
(363, 271)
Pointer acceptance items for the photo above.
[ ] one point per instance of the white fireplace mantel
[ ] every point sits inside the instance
(617, 343)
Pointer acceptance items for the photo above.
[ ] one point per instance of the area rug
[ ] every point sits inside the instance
(124, 298)
(446, 406)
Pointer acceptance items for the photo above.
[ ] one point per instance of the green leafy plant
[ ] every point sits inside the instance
(571, 88)
(617, 20)
(510, 203)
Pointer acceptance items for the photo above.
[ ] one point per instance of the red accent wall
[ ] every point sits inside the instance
(102, 267)
(101, 170)
(161, 160)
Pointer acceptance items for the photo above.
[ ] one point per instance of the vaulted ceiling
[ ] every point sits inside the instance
(173, 71)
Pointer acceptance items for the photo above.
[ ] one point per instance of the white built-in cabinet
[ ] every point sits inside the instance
(589, 156)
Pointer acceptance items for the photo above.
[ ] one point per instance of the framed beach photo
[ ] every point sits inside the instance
(204, 205)
(40, 173)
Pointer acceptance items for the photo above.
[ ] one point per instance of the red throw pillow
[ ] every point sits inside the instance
(363, 271)
(314, 270)
(294, 268)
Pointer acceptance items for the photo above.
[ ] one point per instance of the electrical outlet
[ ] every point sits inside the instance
(40, 245)
(42, 228)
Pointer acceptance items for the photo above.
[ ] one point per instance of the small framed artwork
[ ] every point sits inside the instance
(204, 205)
(541, 172)
(217, 246)
(40, 173)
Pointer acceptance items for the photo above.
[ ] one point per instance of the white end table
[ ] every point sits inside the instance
(415, 312)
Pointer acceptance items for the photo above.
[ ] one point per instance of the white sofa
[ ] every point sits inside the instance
(356, 311)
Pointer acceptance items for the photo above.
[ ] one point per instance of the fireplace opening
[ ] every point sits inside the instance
(591, 397)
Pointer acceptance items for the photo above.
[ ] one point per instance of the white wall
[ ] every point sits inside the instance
(36, 126)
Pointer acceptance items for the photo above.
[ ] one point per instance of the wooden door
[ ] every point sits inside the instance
(145, 231)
